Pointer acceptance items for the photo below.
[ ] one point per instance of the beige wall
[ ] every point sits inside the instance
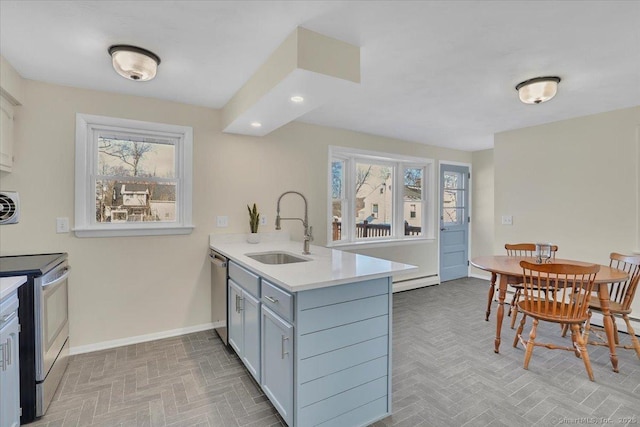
(575, 183)
(482, 209)
(572, 183)
(128, 287)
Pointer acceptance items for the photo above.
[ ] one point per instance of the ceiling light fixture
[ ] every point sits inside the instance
(297, 99)
(134, 63)
(538, 90)
(256, 124)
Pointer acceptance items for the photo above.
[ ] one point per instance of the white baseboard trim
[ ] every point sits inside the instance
(420, 282)
(480, 276)
(105, 345)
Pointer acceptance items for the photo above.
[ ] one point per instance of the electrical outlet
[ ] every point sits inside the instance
(222, 221)
(62, 225)
(507, 220)
(263, 220)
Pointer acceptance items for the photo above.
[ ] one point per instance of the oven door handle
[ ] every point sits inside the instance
(59, 279)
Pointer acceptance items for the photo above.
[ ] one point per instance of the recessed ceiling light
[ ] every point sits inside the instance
(297, 99)
(256, 124)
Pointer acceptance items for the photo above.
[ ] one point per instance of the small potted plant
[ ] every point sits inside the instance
(254, 221)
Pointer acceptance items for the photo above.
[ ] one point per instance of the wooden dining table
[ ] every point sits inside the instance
(510, 272)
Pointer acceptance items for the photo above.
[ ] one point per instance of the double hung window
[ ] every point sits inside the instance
(378, 196)
(132, 177)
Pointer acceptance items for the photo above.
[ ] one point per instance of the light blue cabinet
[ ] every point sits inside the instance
(343, 354)
(244, 327)
(234, 328)
(323, 355)
(277, 363)
(9, 362)
(251, 314)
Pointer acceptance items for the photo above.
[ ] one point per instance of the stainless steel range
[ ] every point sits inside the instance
(44, 321)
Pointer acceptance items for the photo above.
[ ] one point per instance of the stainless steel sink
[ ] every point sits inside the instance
(276, 258)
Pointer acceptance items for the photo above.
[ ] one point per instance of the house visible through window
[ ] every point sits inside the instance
(132, 178)
(378, 196)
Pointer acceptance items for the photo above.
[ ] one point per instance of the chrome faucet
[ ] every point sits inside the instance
(308, 237)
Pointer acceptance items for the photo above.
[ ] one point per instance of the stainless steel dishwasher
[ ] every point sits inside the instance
(219, 293)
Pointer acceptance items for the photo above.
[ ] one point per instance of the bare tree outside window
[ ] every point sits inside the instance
(136, 182)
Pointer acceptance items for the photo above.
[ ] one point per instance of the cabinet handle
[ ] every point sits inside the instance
(3, 365)
(271, 299)
(284, 338)
(238, 303)
(8, 351)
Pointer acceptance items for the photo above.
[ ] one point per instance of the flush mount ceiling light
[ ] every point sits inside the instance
(134, 63)
(256, 124)
(297, 99)
(538, 90)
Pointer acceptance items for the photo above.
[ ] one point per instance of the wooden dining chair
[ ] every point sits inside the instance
(557, 293)
(515, 250)
(621, 297)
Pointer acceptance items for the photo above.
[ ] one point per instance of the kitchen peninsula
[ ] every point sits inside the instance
(313, 330)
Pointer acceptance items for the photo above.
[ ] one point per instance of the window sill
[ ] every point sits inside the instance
(126, 231)
(378, 243)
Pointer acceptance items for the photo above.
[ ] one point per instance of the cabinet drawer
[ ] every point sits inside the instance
(246, 279)
(277, 300)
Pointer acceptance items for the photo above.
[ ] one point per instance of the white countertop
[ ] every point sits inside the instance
(326, 267)
(10, 284)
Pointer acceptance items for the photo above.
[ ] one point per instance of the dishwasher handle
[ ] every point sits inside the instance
(217, 260)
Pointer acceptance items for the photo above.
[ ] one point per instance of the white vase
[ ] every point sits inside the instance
(253, 238)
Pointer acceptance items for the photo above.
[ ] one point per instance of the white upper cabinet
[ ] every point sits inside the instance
(6, 135)
(11, 96)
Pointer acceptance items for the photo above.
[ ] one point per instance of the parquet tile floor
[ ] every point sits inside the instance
(445, 373)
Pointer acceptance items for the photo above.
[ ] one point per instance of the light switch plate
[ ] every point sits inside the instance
(222, 221)
(507, 220)
(62, 225)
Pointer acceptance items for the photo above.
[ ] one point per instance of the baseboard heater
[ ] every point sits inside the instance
(415, 282)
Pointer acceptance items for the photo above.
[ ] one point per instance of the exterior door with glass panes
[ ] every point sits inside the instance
(454, 222)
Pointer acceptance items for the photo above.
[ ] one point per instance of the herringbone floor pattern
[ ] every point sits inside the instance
(445, 373)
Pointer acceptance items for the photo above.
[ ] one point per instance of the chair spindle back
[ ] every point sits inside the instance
(558, 291)
(623, 292)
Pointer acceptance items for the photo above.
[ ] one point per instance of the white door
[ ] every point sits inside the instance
(454, 222)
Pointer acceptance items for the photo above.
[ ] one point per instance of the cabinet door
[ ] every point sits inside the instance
(9, 375)
(277, 363)
(6, 136)
(234, 328)
(251, 334)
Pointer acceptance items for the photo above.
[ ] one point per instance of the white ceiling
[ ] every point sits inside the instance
(434, 72)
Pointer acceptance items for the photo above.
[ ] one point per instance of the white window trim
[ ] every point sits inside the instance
(85, 224)
(351, 155)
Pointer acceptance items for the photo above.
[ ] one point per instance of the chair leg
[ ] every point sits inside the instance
(492, 288)
(565, 328)
(587, 327)
(615, 330)
(530, 344)
(519, 331)
(634, 339)
(574, 340)
(575, 332)
(514, 308)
